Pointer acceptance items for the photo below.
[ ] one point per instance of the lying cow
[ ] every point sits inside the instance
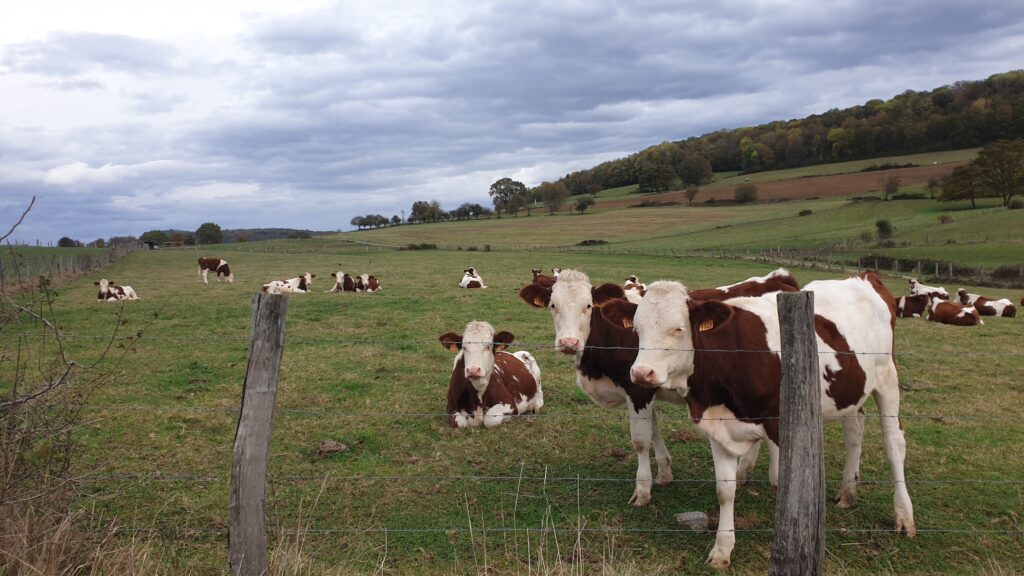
(367, 283)
(634, 289)
(470, 279)
(297, 285)
(953, 313)
(912, 306)
(779, 280)
(917, 289)
(546, 281)
(217, 266)
(110, 292)
(734, 397)
(987, 307)
(488, 385)
(342, 282)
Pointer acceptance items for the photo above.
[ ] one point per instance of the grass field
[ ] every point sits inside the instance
(366, 370)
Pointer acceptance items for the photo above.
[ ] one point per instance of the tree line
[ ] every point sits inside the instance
(963, 115)
(997, 171)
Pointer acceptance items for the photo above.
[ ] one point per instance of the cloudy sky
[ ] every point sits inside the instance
(123, 116)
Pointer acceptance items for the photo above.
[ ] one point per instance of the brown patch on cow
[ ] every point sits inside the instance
(372, 283)
(950, 313)
(606, 292)
(779, 283)
(846, 386)
(347, 284)
(609, 352)
(474, 284)
(907, 306)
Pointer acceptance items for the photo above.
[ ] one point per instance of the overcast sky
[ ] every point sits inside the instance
(123, 116)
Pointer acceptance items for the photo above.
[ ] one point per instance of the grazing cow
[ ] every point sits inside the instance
(734, 397)
(298, 285)
(987, 307)
(489, 385)
(953, 313)
(216, 265)
(342, 282)
(916, 288)
(779, 280)
(109, 292)
(546, 281)
(367, 283)
(634, 289)
(470, 279)
(912, 306)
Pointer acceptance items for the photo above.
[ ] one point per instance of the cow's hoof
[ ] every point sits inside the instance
(845, 500)
(640, 498)
(664, 476)
(719, 561)
(908, 526)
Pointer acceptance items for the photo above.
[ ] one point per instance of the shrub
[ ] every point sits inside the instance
(472, 249)
(806, 212)
(592, 242)
(867, 236)
(487, 247)
(421, 246)
(745, 193)
(885, 229)
(944, 218)
(1015, 204)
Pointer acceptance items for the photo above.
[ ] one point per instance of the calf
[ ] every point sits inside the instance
(342, 282)
(489, 385)
(216, 265)
(734, 397)
(298, 285)
(779, 280)
(109, 292)
(912, 306)
(634, 289)
(916, 288)
(546, 281)
(367, 283)
(987, 307)
(470, 279)
(955, 314)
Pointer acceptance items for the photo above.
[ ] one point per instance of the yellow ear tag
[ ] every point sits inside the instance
(627, 323)
(538, 301)
(706, 325)
(453, 347)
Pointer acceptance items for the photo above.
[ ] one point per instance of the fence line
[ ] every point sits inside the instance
(19, 271)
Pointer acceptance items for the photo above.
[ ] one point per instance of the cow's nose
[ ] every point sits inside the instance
(474, 372)
(643, 375)
(569, 345)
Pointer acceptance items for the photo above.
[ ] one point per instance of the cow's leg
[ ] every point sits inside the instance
(661, 454)
(641, 423)
(747, 463)
(203, 272)
(773, 464)
(497, 414)
(726, 466)
(887, 396)
(853, 439)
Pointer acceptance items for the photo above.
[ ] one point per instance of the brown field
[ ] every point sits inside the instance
(830, 186)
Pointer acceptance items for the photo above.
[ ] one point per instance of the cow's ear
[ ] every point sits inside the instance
(111, 282)
(536, 295)
(503, 339)
(312, 275)
(618, 312)
(96, 283)
(710, 316)
(451, 341)
(334, 274)
(606, 292)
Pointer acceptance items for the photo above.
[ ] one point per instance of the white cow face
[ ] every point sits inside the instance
(231, 278)
(104, 284)
(478, 344)
(571, 300)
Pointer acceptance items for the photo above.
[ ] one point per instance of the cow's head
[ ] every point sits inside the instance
(104, 284)
(469, 271)
(555, 272)
(536, 272)
(665, 322)
(572, 301)
(478, 344)
(965, 298)
(632, 280)
(309, 277)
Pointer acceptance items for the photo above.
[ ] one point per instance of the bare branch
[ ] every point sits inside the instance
(18, 223)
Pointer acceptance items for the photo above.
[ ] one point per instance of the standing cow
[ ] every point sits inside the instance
(734, 396)
(217, 266)
(488, 385)
(110, 292)
(298, 285)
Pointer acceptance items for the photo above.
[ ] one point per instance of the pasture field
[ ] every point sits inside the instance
(367, 370)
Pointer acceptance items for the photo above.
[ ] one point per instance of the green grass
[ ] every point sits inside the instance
(357, 368)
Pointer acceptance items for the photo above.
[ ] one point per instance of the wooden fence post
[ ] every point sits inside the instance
(799, 544)
(247, 535)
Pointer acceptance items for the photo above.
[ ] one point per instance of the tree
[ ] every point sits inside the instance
(99, 243)
(508, 195)
(395, 220)
(583, 203)
(358, 222)
(158, 236)
(963, 184)
(691, 193)
(885, 229)
(1001, 168)
(655, 178)
(745, 193)
(66, 242)
(419, 212)
(209, 233)
(553, 194)
(891, 185)
(695, 170)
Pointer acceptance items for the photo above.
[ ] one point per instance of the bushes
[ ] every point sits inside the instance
(592, 242)
(745, 193)
(885, 229)
(944, 218)
(420, 246)
(1015, 204)
(806, 212)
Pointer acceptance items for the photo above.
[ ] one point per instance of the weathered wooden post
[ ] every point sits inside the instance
(799, 544)
(247, 535)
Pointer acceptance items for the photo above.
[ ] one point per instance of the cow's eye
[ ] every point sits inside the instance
(677, 332)
(589, 306)
(552, 306)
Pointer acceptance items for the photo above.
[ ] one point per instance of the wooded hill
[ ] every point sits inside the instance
(963, 115)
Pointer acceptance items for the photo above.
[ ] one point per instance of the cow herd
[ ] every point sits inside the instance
(933, 303)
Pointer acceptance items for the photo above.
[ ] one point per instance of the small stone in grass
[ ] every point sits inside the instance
(328, 447)
(695, 520)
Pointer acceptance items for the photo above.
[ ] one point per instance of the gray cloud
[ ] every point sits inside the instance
(74, 53)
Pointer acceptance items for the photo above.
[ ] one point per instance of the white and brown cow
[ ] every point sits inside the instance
(471, 279)
(555, 272)
(110, 292)
(488, 385)
(734, 396)
(367, 283)
(913, 306)
(953, 313)
(986, 306)
(778, 280)
(217, 266)
(634, 289)
(916, 288)
(342, 282)
(546, 281)
(298, 285)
